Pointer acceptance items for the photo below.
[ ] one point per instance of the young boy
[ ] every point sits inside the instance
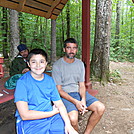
(33, 96)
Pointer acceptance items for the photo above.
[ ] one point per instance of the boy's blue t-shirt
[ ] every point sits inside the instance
(38, 94)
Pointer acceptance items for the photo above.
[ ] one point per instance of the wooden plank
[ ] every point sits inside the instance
(49, 2)
(8, 4)
(53, 5)
(37, 5)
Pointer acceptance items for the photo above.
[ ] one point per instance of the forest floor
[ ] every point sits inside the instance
(118, 97)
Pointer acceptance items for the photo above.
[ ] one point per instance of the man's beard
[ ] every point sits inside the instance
(25, 56)
(70, 57)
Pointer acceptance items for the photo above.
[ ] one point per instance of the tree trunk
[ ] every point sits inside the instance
(63, 38)
(131, 27)
(45, 32)
(116, 46)
(53, 41)
(14, 33)
(68, 20)
(131, 48)
(100, 56)
(5, 32)
(22, 29)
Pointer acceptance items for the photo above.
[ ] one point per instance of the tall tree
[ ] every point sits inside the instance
(5, 32)
(53, 41)
(22, 28)
(14, 33)
(100, 56)
(116, 46)
(68, 19)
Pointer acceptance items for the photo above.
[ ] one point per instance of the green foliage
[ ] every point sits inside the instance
(36, 31)
(125, 50)
(115, 76)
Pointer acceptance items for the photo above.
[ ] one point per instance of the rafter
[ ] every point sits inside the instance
(45, 8)
(21, 5)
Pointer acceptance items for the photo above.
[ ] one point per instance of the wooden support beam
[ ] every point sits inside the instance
(53, 6)
(86, 37)
(86, 44)
(21, 5)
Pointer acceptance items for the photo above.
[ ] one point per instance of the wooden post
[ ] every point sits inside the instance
(1, 67)
(86, 44)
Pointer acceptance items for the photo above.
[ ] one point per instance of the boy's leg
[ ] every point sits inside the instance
(41, 126)
(52, 125)
(19, 128)
(57, 125)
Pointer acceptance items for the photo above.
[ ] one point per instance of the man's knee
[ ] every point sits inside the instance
(97, 107)
(73, 116)
(74, 121)
(100, 108)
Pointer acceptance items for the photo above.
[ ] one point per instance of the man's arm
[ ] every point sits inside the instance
(65, 95)
(82, 91)
(18, 66)
(13, 68)
(78, 104)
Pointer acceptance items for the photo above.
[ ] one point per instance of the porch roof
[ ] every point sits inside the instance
(44, 8)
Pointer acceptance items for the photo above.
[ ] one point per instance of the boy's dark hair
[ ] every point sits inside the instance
(69, 40)
(35, 52)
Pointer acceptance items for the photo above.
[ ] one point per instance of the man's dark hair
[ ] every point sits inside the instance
(69, 40)
(35, 52)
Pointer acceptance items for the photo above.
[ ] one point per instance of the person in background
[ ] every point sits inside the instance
(19, 64)
(34, 93)
(69, 75)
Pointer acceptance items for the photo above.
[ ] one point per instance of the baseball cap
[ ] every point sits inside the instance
(21, 47)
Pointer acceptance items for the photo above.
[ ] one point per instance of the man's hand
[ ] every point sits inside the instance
(25, 70)
(81, 107)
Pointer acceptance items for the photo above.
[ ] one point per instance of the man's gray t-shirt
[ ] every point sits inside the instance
(68, 75)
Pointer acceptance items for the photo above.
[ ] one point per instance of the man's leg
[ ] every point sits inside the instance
(97, 109)
(72, 110)
(73, 116)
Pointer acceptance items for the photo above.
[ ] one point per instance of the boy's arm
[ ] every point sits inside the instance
(27, 114)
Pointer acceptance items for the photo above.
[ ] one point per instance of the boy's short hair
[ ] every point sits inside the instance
(35, 52)
(69, 40)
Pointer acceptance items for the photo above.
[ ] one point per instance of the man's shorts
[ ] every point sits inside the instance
(70, 106)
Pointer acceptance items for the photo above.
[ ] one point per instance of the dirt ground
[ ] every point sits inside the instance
(118, 98)
(119, 101)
